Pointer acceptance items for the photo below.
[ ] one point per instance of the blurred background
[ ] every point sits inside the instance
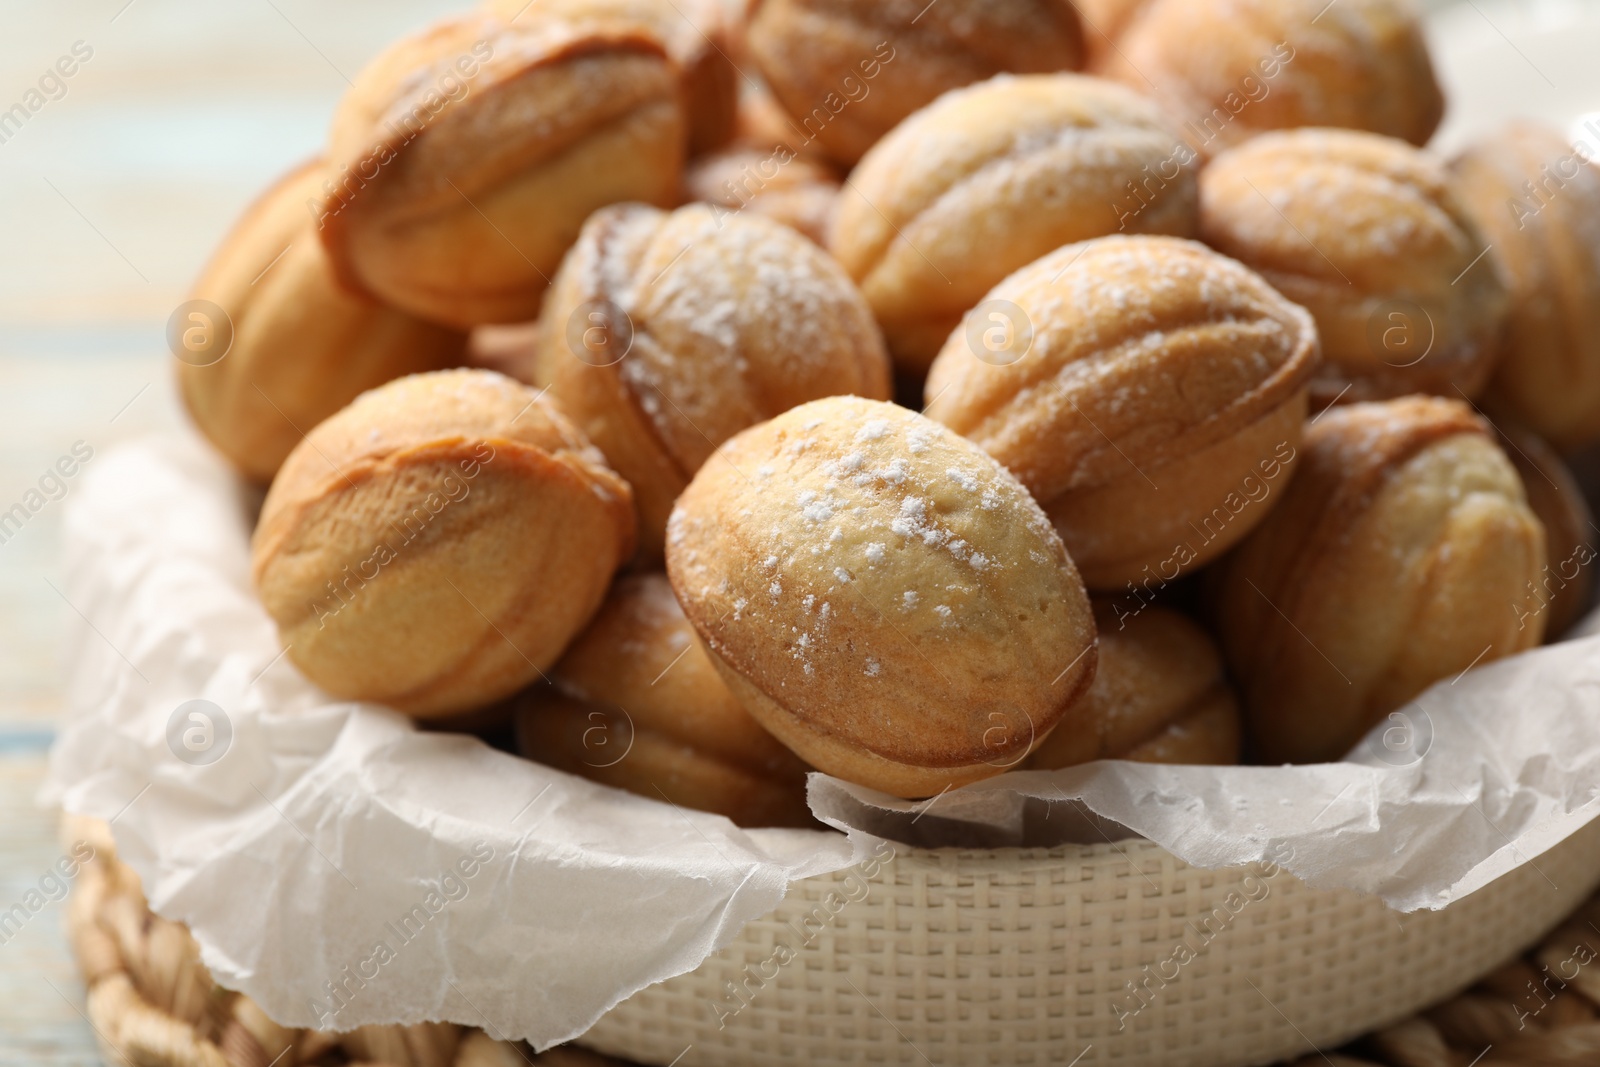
(116, 186)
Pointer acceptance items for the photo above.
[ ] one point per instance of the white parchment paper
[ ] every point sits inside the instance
(343, 868)
(328, 829)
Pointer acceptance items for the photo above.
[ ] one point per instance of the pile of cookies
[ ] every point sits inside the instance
(1229, 419)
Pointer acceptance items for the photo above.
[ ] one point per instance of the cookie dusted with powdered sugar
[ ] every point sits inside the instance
(1230, 69)
(1369, 235)
(987, 179)
(882, 596)
(775, 183)
(696, 35)
(847, 71)
(1156, 410)
(667, 333)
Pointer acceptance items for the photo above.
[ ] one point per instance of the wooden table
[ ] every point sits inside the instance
(111, 197)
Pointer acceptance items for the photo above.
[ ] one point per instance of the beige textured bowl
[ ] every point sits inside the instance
(1020, 956)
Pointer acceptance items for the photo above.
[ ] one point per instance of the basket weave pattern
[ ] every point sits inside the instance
(1006, 957)
(152, 1003)
(1026, 957)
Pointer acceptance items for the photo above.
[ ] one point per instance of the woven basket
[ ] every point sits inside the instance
(152, 1003)
(994, 960)
(1071, 956)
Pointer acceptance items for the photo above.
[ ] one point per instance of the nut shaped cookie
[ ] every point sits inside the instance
(1403, 553)
(1151, 400)
(762, 124)
(667, 333)
(436, 545)
(775, 183)
(637, 704)
(1210, 734)
(1159, 696)
(1537, 200)
(988, 179)
(882, 596)
(294, 346)
(1230, 69)
(465, 159)
(848, 71)
(1367, 234)
(696, 36)
(1104, 23)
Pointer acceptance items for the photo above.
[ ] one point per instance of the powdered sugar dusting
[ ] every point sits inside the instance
(870, 510)
(722, 306)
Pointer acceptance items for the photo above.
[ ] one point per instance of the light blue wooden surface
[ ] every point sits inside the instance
(110, 199)
(40, 996)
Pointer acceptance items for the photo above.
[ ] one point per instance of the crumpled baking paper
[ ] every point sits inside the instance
(343, 868)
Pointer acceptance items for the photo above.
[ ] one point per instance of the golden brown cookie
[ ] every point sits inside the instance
(1211, 734)
(695, 34)
(1150, 397)
(849, 71)
(292, 345)
(637, 704)
(1159, 696)
(438, 543)
(1368, 235)
(762, 123)
(882, 596)
(1230, 69)
(987, 180)
(509, 350)
(1403, 553)
(667, 333)
(1565, 588)
(466, 158)
(1537, 200)
(775, 183)
(1104, 23)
